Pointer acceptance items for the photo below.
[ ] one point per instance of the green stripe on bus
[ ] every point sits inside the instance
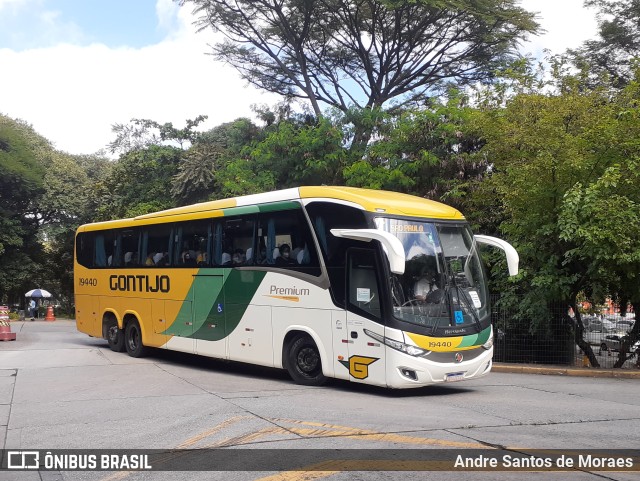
(216, 304)
(484, 336)
(475, 339)
(253, 209)
(231, 304)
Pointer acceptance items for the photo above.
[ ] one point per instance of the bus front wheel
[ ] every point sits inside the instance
(115, 336)
(133, 340)
(303, 362)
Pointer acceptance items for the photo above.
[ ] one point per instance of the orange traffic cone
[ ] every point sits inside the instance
(5, 332)
(49, 316)
(5, 327)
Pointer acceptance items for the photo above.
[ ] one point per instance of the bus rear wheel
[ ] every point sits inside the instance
(303, 362)
(133, 340)
(115, 336)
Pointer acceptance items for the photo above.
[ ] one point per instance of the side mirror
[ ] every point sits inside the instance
(513, 259)
(393, 248)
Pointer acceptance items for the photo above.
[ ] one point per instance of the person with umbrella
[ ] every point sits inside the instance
(34, 294)
(32, 308)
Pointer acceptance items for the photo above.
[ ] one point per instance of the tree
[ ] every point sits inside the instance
(138, 183)
(141, 133)
(565, 171)
(21, 187)
(363, 53)
(613, 53)
(427, 152)
(197, 177)
(301, 151)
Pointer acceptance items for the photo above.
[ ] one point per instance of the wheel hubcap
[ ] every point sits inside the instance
(113, 333)
(133, 339)
(307, 360)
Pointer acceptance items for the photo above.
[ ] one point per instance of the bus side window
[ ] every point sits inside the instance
(104, 249)
(84, 249)
(285, 242)
(364, 294)
(127, 248)
(156, 251)
(191, 246)
(238, 237)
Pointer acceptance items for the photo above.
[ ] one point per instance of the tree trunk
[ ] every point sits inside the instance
(629, 341)
(582, 344)
(361, 138)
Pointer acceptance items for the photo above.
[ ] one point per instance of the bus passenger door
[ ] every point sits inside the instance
(366, 362)
(248, 320)
(209, 326)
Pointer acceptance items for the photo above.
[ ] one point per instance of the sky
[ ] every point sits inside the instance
(73, 68)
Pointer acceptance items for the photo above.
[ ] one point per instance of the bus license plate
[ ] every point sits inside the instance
(454, 376)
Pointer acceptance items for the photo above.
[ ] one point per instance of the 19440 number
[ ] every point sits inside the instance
(88, 281)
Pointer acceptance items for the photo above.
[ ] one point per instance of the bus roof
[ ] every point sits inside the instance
(379, 201)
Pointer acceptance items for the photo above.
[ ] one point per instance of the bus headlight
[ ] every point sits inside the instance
(398, 346)
(489, 344)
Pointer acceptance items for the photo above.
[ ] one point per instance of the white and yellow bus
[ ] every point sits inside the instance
(326, 282)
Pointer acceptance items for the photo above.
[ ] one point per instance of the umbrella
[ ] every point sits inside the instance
(38, 293)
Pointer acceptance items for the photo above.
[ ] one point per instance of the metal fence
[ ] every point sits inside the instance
(549, 338)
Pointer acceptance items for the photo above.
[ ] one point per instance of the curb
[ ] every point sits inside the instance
(566, 371)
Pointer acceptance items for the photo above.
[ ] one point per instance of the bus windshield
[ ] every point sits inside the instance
(443, 284)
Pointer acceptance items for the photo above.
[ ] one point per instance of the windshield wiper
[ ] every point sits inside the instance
(463, 299)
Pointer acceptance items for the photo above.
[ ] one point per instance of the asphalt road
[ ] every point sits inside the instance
(60, 389)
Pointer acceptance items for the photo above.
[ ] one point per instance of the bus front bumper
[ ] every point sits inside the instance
(405, 371)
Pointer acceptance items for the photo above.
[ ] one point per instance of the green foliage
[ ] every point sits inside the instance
(139, 183)
(21, 186)
(364, 54)
(200, 174)
(565, 183)
(142, 133)
(428, 152)
(298, 153)
(613, 54)
(22, 169)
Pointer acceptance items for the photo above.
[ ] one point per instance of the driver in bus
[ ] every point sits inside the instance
(426, 288)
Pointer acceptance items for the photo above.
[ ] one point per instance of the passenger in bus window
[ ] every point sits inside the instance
(263, 255)
(201, 258)
(189, 261)
(149, 261)
(238, 257)
(157, 258)
(285, 255)
(426, 288)
(127, 258)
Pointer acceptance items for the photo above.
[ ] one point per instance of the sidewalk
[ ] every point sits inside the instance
(566, 370)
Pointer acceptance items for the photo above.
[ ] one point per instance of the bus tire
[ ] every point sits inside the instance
(115, 336)
(133, 340)
(303, 361)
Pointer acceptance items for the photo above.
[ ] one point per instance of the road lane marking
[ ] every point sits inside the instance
(198, 437)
